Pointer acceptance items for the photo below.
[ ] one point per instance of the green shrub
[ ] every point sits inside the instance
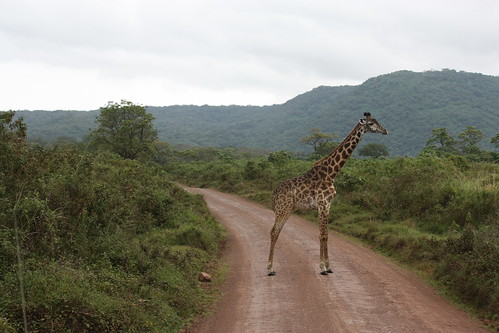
(470, 266)
(107, 244)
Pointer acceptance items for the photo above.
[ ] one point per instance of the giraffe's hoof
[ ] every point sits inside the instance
(271, 273)
(324, 272)
(329, 270)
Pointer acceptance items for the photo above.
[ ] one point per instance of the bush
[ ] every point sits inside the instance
(107, 244)
(470, 266)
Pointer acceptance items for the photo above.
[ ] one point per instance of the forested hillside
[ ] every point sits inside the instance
(408, 104)
(411, 104)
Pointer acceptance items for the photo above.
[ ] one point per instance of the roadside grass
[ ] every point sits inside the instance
(461, 265)
(106, 245)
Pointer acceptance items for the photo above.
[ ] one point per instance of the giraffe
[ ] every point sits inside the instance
(315, 190)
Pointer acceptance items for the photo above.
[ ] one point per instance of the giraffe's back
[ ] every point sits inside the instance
(297, 192)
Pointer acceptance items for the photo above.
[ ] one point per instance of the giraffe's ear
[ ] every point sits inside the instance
(362, 121)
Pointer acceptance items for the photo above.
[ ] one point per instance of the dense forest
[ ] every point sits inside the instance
(409, 104)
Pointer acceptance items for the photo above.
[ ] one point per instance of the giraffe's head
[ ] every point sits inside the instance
(372, 125)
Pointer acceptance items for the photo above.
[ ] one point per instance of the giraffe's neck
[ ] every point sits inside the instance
(333, 162)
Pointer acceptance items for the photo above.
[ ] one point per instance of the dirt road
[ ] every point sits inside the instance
(366, 292)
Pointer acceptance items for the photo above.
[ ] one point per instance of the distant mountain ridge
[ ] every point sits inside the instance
(409, 104)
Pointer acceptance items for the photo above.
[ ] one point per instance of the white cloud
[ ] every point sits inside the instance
(75, 54)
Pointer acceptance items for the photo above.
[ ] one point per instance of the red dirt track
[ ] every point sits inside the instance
(366, 292)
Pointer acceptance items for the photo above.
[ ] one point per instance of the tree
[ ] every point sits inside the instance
(374, 150)
(445, 142)
(470, 139)
(15, 154)
(12, 141)
(471, 136)
(495, 140)
(279, 158)
(11, 129)
(125, 128)
(321, 142)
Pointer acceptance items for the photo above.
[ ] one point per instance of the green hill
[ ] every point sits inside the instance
(408, 104)
(411, 104)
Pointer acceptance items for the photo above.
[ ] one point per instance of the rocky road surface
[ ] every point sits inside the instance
(366, 292)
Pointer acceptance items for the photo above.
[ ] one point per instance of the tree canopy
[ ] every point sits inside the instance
(441, 142)
(374, 150)
(125, 128)
(10, 128)
(495, 140)
(321, 142)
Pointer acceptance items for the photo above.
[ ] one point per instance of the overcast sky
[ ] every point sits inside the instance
(80, 54)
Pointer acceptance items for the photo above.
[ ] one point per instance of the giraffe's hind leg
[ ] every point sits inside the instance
(281, 216)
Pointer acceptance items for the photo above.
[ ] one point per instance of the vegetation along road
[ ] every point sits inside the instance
(366, 292)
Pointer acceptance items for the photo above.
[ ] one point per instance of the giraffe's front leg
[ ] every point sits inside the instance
(324, 264)
(323, 248)
(327, 268)
(324, 257)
